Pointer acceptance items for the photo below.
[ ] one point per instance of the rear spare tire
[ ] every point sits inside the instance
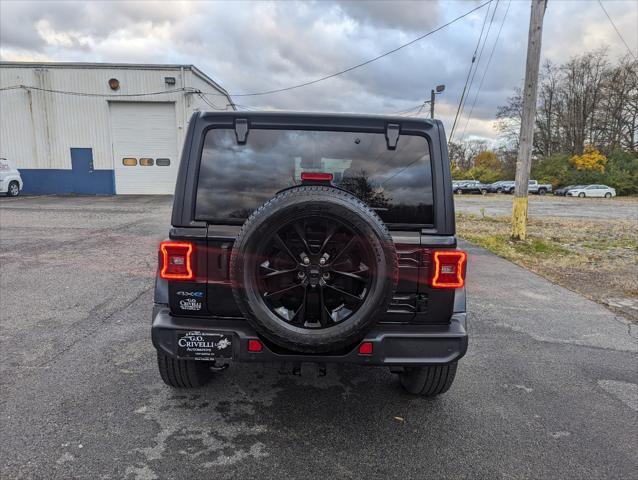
(313, 269)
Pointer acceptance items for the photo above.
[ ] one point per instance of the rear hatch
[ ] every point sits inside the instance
(239, 170)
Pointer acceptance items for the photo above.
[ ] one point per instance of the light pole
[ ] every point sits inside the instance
(433, 93)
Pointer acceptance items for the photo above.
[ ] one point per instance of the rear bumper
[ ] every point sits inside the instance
(393, 345)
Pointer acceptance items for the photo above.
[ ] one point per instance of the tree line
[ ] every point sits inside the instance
(586, 128)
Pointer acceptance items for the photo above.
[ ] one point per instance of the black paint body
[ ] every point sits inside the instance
(423, 325)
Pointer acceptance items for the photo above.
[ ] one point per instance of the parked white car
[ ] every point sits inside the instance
(592, 191)
(10, 180)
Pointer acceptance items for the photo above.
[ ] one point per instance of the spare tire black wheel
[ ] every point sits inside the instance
(313, 269)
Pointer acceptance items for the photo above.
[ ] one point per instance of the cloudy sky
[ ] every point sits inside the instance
(256, 46)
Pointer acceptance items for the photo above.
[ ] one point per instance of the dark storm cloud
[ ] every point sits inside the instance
(250, 47)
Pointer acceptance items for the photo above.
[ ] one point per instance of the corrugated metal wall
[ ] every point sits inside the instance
(38, 129)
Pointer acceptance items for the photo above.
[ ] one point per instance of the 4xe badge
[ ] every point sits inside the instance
(190, 294)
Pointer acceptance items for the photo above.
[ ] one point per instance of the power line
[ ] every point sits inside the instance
(421, 108)
(211, 104)
(88, 94)
(120, 95)
(407, 110)
(469, 72)
(359, 65)
(478, 60)
(616, 28)
(487, 66)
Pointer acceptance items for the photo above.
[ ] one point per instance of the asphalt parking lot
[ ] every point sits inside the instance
(548, 389)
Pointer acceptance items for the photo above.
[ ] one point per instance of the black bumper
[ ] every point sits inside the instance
(393, 345)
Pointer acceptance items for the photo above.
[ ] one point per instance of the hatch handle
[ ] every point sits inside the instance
(392, 135)
(241, 130)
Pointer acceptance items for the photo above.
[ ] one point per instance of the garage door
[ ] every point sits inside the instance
(144, 147)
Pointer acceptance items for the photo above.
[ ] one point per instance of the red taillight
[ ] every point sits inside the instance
(365, 348)
(255, 346)
(448, 268)
(317, 176)
(176, 260)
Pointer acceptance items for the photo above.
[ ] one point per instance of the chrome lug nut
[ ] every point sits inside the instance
(326, 276)
(322, 261)
(301, 275)
(306, 261)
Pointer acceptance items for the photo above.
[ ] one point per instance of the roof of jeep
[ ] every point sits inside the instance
(318, 115)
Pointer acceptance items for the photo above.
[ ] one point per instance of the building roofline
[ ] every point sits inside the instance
(122, 66)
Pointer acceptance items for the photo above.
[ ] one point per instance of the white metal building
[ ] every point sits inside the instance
(94, 128)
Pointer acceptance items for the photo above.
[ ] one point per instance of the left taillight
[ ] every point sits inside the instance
(448, 268)
(176, 260)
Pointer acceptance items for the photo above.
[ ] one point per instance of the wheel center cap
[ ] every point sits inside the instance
(314, 275)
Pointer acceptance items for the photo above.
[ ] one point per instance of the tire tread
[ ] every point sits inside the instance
(178, 373)
(428, 381)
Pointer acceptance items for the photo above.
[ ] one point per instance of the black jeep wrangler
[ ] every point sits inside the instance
(312, 238)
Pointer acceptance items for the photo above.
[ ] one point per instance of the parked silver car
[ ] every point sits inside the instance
(601, 191)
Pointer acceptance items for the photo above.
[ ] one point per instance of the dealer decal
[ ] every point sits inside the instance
(204, 346)
(190, 304)
(197, 340)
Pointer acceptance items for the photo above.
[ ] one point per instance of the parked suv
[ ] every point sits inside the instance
(312, 238)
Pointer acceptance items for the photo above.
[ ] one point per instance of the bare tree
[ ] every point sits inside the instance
(584, 101)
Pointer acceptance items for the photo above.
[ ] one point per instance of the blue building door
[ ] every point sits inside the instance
(86, 180)
(82, 167)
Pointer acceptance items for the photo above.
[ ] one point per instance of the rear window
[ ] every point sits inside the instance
(236, 179)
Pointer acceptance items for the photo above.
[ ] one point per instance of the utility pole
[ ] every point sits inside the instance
(526, 140)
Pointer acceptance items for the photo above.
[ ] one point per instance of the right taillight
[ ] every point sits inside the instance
(448, 268)
(176, 262)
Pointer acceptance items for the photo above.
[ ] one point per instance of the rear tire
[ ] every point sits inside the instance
(542, 191)
(183, 373)
(581, 195)
(608, 195)
(428, 381)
